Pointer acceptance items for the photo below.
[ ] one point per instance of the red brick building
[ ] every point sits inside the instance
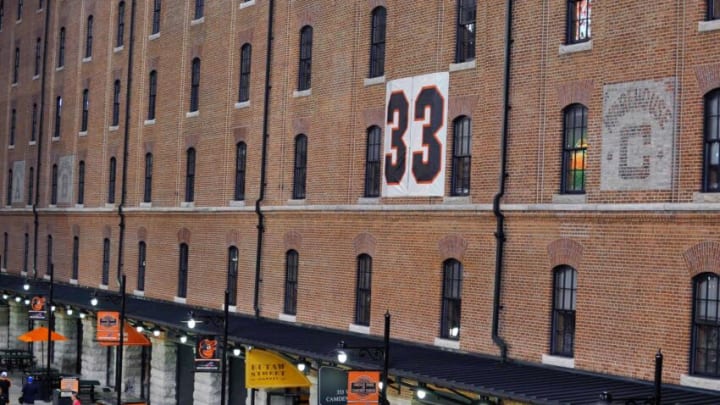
(555, 205)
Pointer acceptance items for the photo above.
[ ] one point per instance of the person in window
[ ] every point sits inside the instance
(29, 391)
(4, 388)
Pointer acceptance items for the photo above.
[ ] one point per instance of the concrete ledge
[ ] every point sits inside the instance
(146, 205)
(302, 93)
(247, 4)
(236, 203)
(73, 281)
(365, 330)
(454, 67)
(447, 343)
(86, 60)
(118, 48)
(149, 122)
(191, 114)
(103, 286)
(187, 204)
(465, 199)
(559, 361)
(573, 48)
(706, 197)
(368, 200)
(139, 293)
(371, 81)
(198, 21)
(32, 143)
(287, 318)
(154, 36)
(699, 382)
(180, 300)
(243, 104)
(82, 133)
(706, 26)
(113, 128)
(569, 199)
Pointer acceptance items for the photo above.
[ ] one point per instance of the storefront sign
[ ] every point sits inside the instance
(108, 326)
(264, 369)
(37, 308)
(332, 386)
(206, 355)
(363, 387)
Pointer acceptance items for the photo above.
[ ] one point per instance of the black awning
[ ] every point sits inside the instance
(487, 375)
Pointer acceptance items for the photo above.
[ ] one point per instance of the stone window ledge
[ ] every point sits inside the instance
(243, 104)
(114, 128)
(32, 143)
(118, 48)
(79, 205)
(198, 21)
(371, 81)
(558, 361)
(73, 281)
(365, 330)
(302, 93)
(109, 205)
(569, 199)
(11, 146)
(247, 4)
(149, 122)
(699, 382)
(287, 317)
(55, 139)
(187, 204)
(706, 197)
(139, 293)
(88, 59)
(454, 67)
(15, 84)
(146, 205)
(574, 48)
(706, 26)
(298, 201)
(180, 300)
(103, 286)
(154, 36)
(237, 203)
(60, 68)
(3, 270)
(457, 199)
(368, 200)
(447, 343)
(36, 77)
(82, 133)
(191, 114)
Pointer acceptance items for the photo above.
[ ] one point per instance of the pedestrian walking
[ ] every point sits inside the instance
(4, 388)
(75, 400)
(29, 392)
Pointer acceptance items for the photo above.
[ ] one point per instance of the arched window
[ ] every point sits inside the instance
(451, 299)
(13, 124)
(305, 67)
(141, 265)
(89, 37)
(190, 176)
(111, 181)
(291, 282)
(8, 194)
(245, 55)
(53, 185)
(183, 271)
(706, 326)
(147, 192)
(85, 110)
(119, 40)
(81, 183)
(240, 162)
(195, 85)
(564, 296)
(152, 95)
(116, 104)
(372, 162)
(574, 149)
(75, 258)
(377, 42)
(300, 172)
(363, 289)
(61, 48)
(462, 155)
(20, 4)
(106, 262)
(711, 173)
(26, 252)
(6, 241)
(199, 9)
(232, 275)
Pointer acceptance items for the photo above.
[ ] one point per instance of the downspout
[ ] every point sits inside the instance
(500, 231)
(36, 201)
(263, 164)
(123, 194)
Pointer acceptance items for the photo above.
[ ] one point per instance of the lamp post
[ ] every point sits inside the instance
(374, 352)
(606, 397)
(50, 320)
(192, 323)
(121, 342)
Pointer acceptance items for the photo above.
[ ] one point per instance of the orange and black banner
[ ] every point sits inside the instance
(363, 387)
(206, 355)
(38, 310)
(108, 326)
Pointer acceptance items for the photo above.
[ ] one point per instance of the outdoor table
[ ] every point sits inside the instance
(12, 359)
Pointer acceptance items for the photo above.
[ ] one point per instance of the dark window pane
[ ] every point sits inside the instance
(565, 288)
(466, 27)
(575, 149)
(372, 162)
(300, 172)
(304, 70)
(291, 280)
(451, 299)
(377, 42)
(578, 21)
(363, 290)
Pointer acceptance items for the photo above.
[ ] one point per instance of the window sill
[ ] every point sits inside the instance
(243, 104)
(198, 21)
(247, 4)
(454, 67)
(73, 281)
(149, 122)
(191, 114)
(82, 133)
(86, 60)
(457, 199)
(32, 143)
(558, 361)
(447, 343)
(154, 36)
(365, 330)
(46, 277)
(287, 317)
(569, 199)
(36, 77)
(297, 201)
(706, 197)
(706, 26)
(109, 205)
(371, 81)
(574, 48)
(237, 203)
(16, 84)
(103, 286)
(3, 270)
(52, 206)
(55, 139)
(40, 10)
(60, 68)
(368, 200)
(231, 308)
(28, 206)
(187, 204)
(18, 21)
(11, 146)
(139, 293)
(302, 93)
(79, 205)
(180, 300)
(23, 273)
(113, 128)
(699, 382)
(118, 48)
(146, 205)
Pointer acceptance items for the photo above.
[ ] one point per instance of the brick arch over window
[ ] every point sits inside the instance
(708, 77)
(75, 230)
(452, 247)
(107, 232)
(703, 258)
(142, 233)
(365, 243)
(183, 236)
(376, 3)
(232, 238)
(565, 251)
(240, 134)
(374, 117)
(462, 105)
(293, 240)
(301, 125)
(578, 92)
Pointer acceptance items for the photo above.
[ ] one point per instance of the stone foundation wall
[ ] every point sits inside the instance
(163, 375)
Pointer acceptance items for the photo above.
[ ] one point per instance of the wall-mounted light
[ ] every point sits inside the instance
(53, 308)
(156, 332)
(69, 311)
(183, 339)
(82, 315)
(341, 356)
(237, 352)
(26, 286)
(27, 301)
(5, 296)
(421, 393)
(93, 301)
(139, 328)
(301, 366)
(18, 299)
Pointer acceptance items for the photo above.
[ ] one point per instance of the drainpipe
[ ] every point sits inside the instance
(500, 231)
(36, 201)
(123, 194)
(263, 165)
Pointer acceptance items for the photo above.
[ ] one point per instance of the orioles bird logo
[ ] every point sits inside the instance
(37, 303)
(206, 348)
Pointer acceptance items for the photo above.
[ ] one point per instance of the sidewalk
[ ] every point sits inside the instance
(16, 388)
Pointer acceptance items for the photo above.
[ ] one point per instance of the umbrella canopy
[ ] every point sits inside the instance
(40, 334)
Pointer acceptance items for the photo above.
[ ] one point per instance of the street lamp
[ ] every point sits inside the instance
(121, 343)
(606, 397)
(375, 353)
(216, 320)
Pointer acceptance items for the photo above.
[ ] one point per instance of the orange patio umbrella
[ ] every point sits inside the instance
(40, 334)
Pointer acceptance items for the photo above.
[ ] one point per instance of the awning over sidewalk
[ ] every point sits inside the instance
(533, 383)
